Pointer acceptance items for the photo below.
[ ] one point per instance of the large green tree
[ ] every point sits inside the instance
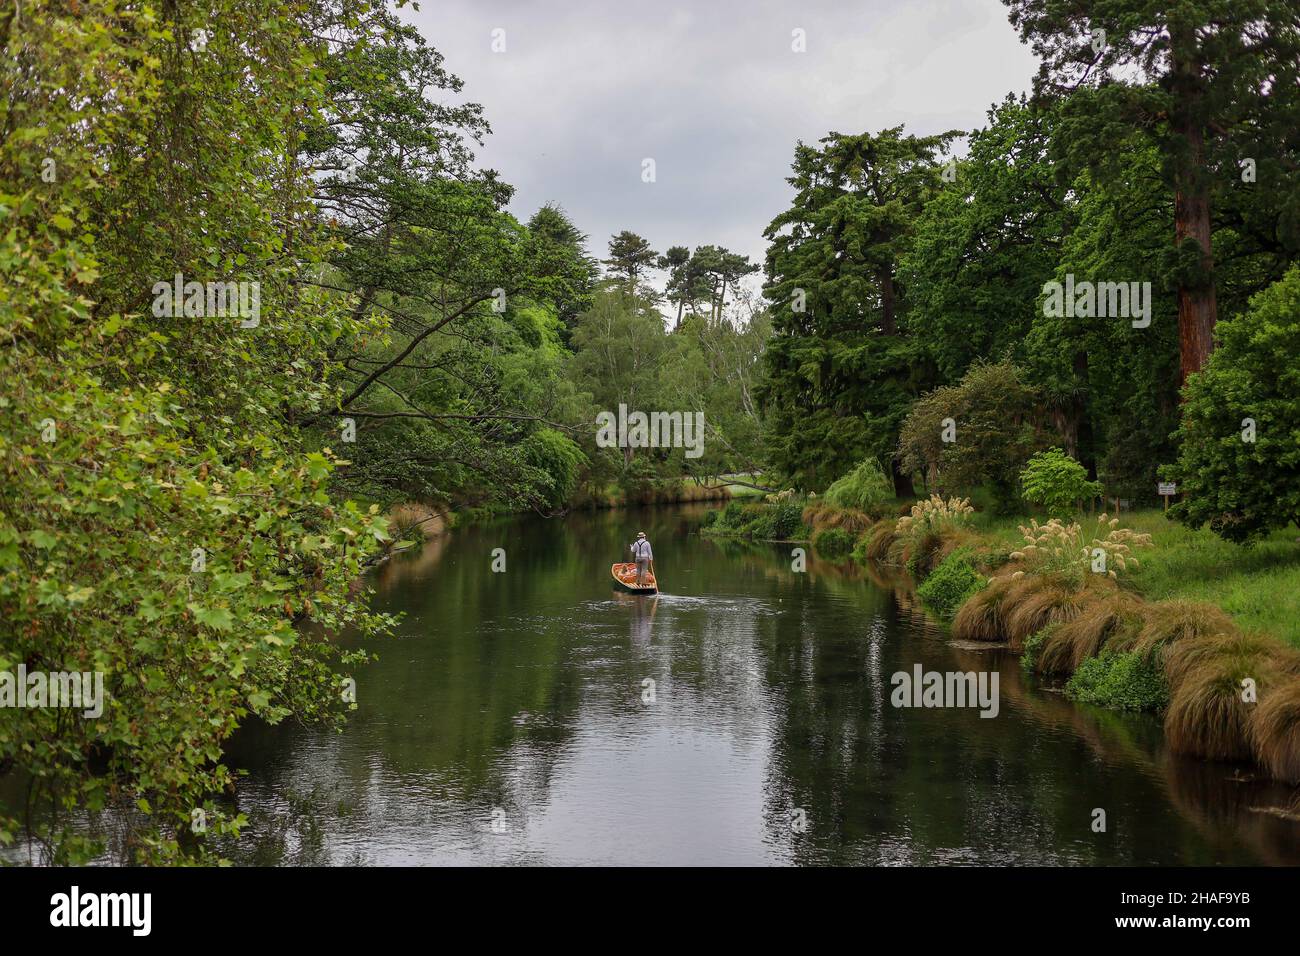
(1240, 465)
(1216, 84)
(163, 521)
(840, 374)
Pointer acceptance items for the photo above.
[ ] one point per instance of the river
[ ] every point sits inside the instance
(512, 720)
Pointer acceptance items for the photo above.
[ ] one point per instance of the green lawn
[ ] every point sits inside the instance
(1259, 585)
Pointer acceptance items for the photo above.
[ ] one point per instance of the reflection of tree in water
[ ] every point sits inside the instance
(478, 700)
(885, 785)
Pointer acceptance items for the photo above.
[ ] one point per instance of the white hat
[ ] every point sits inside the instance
(640, 534)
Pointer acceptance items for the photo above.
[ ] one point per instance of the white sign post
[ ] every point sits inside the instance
(1165, 489)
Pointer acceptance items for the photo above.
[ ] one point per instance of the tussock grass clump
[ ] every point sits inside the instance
(1207, 715)
(1274, 728)
(879, 540)
(1168, 622)
(1033, 601)
(1220, 651)
(980, 617)
(919, 553)
(1104, 617)
(821, 515)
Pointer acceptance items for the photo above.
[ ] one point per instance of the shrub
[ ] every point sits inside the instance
(1119, 681)
(787, 520)
(1033, 647)
(833, 543)
(1057, 482)
(732, 515)
(950, 584)
(866, 488)
(1245, 488)
(709, 517)
(994, 410)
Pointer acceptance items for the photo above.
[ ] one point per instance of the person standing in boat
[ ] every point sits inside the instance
(643, 556)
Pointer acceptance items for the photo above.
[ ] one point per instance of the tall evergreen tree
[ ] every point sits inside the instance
(1215, 82)
(840, 376)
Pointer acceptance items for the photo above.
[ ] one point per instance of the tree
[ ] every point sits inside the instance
(980, 432)
(551, 224)
(163, 522)
(459, 297)
(1215, 82)
(839, 373)
(1239, 470)
(675, 262)
(986, 243)
(1057, 482)
(629, 257)
(620, 347)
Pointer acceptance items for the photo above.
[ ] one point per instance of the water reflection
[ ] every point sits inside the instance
(509, 721)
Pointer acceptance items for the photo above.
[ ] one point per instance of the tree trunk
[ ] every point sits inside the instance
(1197, 306)
(887, 323)
(903, 486)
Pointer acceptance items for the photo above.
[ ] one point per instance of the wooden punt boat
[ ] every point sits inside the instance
(625, 579)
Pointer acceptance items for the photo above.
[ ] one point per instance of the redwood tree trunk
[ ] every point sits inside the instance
(1197, 308)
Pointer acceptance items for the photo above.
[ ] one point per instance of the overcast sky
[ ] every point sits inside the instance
(712, 91)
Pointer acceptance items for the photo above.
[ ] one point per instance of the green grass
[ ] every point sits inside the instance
(1258, 585)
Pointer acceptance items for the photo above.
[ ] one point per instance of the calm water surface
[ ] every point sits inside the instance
(507, 722)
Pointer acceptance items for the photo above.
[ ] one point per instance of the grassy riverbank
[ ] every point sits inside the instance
(1131, 612)
(1257, 586)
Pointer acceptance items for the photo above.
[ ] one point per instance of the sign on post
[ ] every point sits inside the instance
(1165, 489)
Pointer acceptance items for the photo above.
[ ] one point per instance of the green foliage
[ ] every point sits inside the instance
(991, 417)
(168, 526)
(1123, 681)
(769, 521)
(1244, 488)
(1033, 645)
(866, 488)
(833, 543)
(788, 520)
(637, 479)
(1057, 482)
(840, 373)
(950, 584)
(987, 242)
(560, 459)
